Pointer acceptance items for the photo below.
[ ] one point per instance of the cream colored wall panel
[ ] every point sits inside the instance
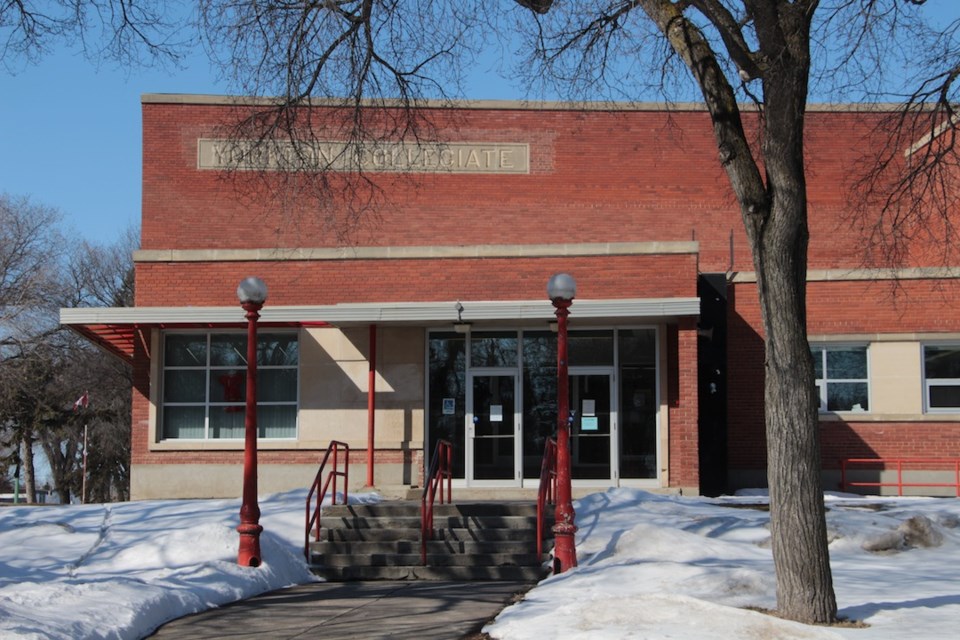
(342, 345)
(334, 386)
(178, 481)
(896, 378)
(400, 345)
(403, 383)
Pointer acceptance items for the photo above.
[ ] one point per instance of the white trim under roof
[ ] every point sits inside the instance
(392, 312)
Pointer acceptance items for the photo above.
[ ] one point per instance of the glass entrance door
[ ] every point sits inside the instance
(493, 426)
(591, 398)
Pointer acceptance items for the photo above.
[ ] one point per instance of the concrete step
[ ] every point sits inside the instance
(417, 572)
(333, 534)
(449, 546)
(439, 522)
(390, 559)
(471, 541)
(409, 509)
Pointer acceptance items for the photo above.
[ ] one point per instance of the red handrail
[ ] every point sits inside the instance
(548, 488)
(313, 515)
(942, 463)
(441, 467)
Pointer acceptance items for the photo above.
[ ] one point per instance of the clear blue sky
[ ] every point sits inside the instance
(70, 133)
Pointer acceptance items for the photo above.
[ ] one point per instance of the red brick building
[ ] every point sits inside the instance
(441, 293)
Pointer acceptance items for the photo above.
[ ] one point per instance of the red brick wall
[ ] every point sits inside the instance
(834, 308)
(682, 404)
(330, 282)
(840, 439)
(595, 177)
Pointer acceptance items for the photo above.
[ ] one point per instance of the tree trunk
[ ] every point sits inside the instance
(797, 518)
(779, 242)
(62, 455)
(29, 478)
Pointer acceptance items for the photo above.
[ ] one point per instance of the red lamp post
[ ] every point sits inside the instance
(561, 289)
(252, 292)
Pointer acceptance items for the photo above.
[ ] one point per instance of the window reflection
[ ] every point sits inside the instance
(493, 349)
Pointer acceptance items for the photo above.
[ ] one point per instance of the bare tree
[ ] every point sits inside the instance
(29, 291)
(29, 237)
(103, 275)
(44, 368)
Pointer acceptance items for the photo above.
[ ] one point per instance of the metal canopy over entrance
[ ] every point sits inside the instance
(499, 430)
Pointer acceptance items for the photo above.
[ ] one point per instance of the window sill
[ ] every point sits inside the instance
(270, 445)
(865, 416)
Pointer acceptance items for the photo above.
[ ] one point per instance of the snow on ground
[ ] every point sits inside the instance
(655, 566)
(650, 566)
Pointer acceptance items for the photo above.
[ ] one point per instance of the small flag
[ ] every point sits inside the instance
(82, 402)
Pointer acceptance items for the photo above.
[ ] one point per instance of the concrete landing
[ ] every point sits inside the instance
(354, 610)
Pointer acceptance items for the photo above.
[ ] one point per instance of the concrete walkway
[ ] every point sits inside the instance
(418, 610)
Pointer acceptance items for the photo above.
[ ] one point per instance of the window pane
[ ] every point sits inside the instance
(228, 385)
(276, 385)
(539, 397)
(278, 349)
(847, 396)
(945, 396)
(277, 421)
(587, 348)
(185, 351)
(942, 362)
(447, 394)
(847, 364)
(493, 349)
(216, 382)
(227, 422)
(638, 347)
(817, 353)
(184, 385)
(183, 422)
(228, 350)
(540, 350)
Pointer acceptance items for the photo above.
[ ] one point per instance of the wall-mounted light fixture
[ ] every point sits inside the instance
(460, 326)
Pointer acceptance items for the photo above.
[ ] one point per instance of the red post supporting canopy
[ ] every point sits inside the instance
(371, 402)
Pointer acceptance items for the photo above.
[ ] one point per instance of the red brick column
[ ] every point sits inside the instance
(682, 404)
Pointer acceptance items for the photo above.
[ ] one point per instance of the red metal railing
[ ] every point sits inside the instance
(341, 453)
(930, 464)
(441, 467)
(548, 488)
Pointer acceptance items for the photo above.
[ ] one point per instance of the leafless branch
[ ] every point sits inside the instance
(129, 32)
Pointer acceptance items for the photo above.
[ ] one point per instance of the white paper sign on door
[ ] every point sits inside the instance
(589, 408)
(496, 413)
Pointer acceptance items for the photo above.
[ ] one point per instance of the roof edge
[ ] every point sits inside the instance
(494, 105)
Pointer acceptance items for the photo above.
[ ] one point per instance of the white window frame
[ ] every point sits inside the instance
(209, 370)
(824, 382)
(937, 382)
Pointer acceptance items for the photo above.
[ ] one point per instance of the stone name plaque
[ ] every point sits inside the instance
(427, 157)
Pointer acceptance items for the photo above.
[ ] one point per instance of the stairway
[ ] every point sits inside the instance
(472, 541)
